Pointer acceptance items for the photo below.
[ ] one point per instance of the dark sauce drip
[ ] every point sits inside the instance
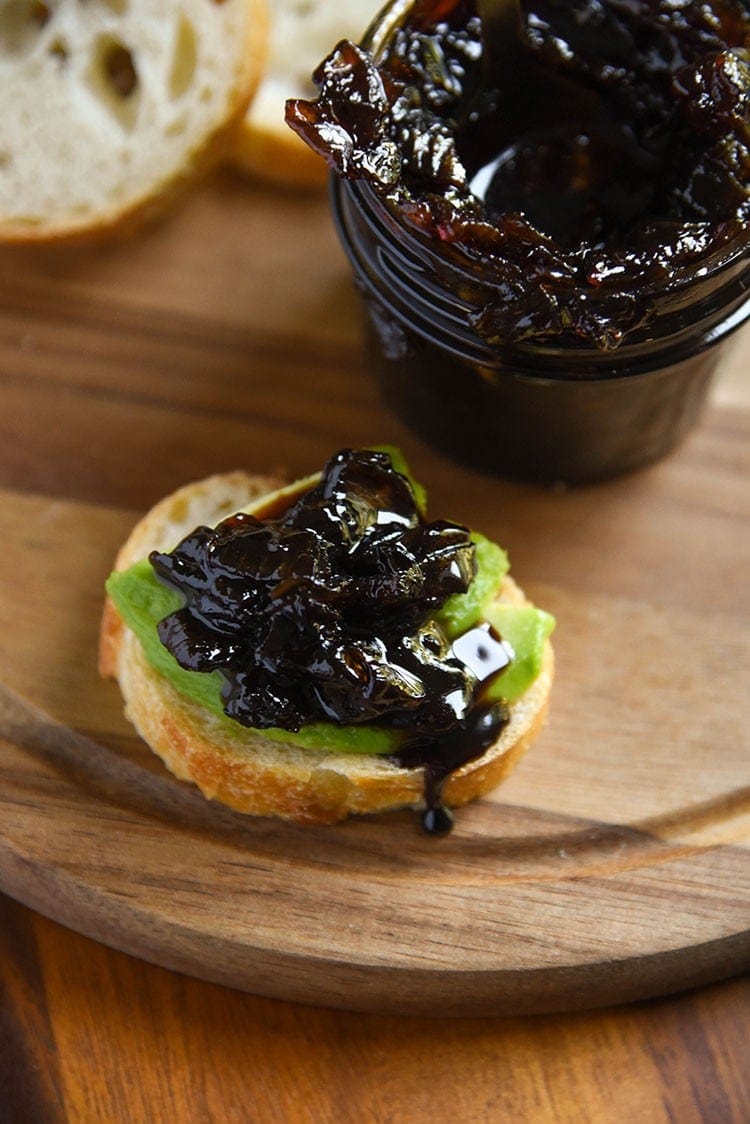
(594, 177)
(324, 612)
(485, 655)
(479, 730)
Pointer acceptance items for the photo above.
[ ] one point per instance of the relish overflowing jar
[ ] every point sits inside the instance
(553, 247)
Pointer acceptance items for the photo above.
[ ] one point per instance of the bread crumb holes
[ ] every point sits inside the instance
(113, 79)
(184, 58)
(20, 24)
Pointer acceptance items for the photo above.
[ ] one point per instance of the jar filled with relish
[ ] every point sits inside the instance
(552, 239)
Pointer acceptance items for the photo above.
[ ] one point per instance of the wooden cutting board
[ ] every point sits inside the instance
(614, 865)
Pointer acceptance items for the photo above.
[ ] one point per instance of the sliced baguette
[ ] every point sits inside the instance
(109, 105)
(243, 769)
(302, 33)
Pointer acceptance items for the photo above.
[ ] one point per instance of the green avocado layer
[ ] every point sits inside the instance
(142, 601)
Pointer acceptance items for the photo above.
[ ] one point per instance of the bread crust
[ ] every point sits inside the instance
(243, 769)
(264, 152)
(164, 190)
(263, 146)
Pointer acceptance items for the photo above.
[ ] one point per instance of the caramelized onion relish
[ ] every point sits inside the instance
(604, 167)
(326, 612)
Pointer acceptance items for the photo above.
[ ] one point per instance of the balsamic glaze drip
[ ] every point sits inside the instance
(325, 613)
(479, 730)
(597, 175)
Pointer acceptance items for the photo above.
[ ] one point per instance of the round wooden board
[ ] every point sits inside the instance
(613, 866)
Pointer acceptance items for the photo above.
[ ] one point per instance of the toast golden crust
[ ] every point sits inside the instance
(266, 153)
(263, 146)
(241, 768)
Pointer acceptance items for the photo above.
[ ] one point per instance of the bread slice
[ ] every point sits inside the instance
(302, 33)
(243, 769)
(108, 104)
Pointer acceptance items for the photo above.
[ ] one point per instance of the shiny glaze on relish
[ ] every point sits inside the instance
(603, 170)
(324, 612)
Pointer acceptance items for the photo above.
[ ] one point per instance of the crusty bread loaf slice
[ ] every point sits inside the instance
(302, 33)
(245, 770)
(107, 104)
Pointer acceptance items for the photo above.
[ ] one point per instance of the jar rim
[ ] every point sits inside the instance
(412, 300)
(720, 263)
(719, 281)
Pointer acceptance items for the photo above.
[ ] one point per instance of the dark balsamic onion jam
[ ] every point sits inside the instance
(603, 168)
(324, 613)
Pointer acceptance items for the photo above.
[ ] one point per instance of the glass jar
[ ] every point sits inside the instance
(538, 411)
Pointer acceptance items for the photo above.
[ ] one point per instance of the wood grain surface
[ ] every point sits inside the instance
(229, 336)
(90, 1035)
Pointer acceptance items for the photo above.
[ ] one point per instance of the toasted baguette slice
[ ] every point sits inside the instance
(301, 35)
(245, 770)
(108, 104)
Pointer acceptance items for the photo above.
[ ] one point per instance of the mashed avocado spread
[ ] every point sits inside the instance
(143, 601)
